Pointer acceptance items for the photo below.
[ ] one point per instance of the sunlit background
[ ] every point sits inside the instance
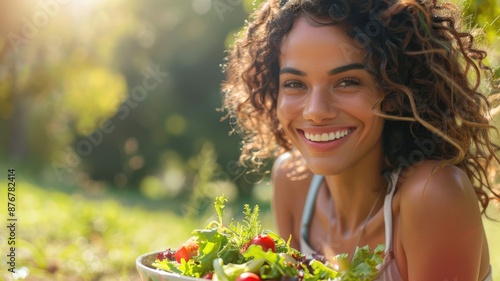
(110, 116)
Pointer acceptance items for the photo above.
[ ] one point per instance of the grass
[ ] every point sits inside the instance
(63, 235)
(72, 237)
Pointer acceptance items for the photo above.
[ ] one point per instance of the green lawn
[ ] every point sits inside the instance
(73, 237)
(70, 236)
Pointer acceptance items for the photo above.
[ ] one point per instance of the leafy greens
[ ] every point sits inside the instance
(224, 252)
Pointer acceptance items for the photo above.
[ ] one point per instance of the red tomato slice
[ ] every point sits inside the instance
(248, 276)
(187, 250)
(265, 242)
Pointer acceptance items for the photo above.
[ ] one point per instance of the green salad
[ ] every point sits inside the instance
(242, 251)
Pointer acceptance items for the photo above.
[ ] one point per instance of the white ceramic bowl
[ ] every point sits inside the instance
(150, 273)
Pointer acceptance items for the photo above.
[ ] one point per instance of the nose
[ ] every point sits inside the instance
(319, 105)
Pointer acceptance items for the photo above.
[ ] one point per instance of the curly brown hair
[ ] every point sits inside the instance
(429, 68)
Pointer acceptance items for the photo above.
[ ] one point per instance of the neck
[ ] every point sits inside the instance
(353, 196)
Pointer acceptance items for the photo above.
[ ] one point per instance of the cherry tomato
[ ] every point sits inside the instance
(248, 276)
(187, 250)
(264, 241)
(209, 275)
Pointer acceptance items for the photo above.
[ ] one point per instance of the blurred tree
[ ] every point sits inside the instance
(185, 42)
(486, 14)
(120, 91)
(57, 80)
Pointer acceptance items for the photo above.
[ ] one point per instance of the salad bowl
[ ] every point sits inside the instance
(150, 273)
(227, 251)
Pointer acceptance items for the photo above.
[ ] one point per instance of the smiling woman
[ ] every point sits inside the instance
(325, 91)
(375, 97)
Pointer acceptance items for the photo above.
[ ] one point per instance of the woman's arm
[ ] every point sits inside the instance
(441, 229)
(290, 185)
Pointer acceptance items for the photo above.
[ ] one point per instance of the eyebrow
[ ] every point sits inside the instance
(334, 71)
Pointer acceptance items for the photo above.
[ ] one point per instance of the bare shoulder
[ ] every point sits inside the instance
(431, 181)
(440, 227)
(289, 171)
(430, 187)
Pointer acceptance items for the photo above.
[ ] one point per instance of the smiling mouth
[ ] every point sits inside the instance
(325, 137)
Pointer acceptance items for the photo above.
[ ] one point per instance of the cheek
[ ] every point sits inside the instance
(375, 126)
(282, 110)
(288, 108)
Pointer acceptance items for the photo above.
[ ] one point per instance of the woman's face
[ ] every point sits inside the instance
(326, 99)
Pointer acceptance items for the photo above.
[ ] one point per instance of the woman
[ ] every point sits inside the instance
(383, 136)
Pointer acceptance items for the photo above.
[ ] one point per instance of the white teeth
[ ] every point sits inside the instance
(327, 137)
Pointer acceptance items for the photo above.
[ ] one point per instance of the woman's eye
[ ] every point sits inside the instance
(292, 84)
(349, 82)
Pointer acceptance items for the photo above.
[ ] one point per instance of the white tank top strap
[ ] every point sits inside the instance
(388, 210)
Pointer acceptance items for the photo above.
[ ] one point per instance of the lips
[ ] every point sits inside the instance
(327, 136)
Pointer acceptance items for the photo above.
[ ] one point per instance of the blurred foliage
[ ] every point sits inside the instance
(106, 90)
(126, 93)
(485, 14)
